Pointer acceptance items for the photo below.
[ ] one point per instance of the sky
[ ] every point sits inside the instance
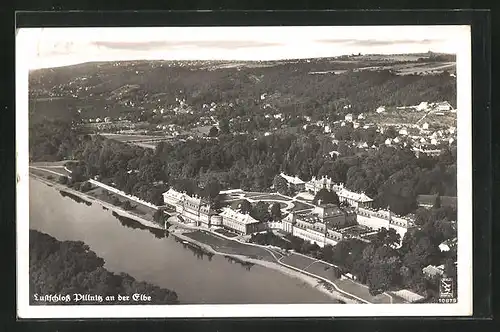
(53, 47)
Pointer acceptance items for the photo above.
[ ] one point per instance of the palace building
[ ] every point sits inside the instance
(377, 219)
(294, 182)
(321, 225)
(193, 210)
(241, 223)
(352, 198)
(316, 185)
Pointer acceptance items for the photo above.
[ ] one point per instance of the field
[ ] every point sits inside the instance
(54, 171)
(230, 247)
(144, 141)
(142, 210)
(425, 68)
(298, 261)
(225, 232)
(409, 117)
(264, 196)
(132, 138)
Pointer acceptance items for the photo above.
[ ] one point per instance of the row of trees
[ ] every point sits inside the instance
(261, 211)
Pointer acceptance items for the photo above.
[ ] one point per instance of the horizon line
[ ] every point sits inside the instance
(241, 60)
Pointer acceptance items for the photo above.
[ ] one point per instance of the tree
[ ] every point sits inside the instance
(390, 132)
(85, 186)
(326, 197)
(327, 253)
(380, 278)
(212, 189)
(213, 132)
(245, 206)
(388, 237)
(276, 212)
(280, 185)
(450, 268)
(70, 267)
(437, 202)
(261, 212)
(159, 216)
(127, 206)
(424, 250)
(116, 201)
(224, 126)
(340, 252)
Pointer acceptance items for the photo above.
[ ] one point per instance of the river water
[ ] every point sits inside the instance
(160, 260)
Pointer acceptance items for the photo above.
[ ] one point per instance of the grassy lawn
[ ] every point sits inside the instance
(43, 174)
(361, 291)
(250, 194)
(47, 171)
(141, 210)
(271, 197)
(297, 206)
(225, 232)
(282, 205)
(411, 117)
(126, 138)
(49, 163)
(297, 261)
(230, 247)
(322, 270)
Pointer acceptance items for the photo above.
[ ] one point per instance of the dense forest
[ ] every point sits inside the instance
(70, 267)
(392, 176)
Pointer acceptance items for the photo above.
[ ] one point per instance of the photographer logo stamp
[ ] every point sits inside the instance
(446, 290)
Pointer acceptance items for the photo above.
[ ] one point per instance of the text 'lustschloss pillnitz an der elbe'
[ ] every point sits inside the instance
(76, 298)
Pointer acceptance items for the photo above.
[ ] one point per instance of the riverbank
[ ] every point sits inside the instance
(93, 199)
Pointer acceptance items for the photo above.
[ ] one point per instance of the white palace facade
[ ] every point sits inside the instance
(352, 198)
(241, 223)
(325, 224)
(321, 225)
(377, 219)
(193, 210)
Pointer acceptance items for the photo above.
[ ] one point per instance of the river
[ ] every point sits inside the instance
(163, 261)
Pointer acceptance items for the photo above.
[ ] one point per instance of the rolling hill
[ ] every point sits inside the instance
(322, 85)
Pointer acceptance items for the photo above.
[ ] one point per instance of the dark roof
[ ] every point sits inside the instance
(430, 199)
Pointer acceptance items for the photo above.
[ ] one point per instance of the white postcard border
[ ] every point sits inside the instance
(463, 307)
